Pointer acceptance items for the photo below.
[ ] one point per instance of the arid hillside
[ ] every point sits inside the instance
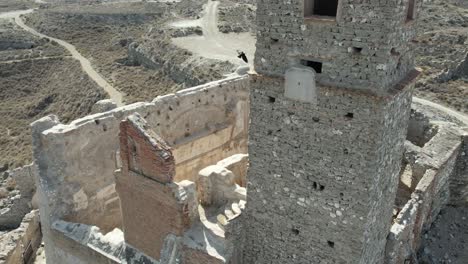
(442, 50)
(37, 78)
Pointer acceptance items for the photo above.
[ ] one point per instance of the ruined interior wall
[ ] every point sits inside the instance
(20, 245)
(459, 177)
(77, 161)
(420, 130)
(432, 193)
(284, 37)
(14, 209)
(77, 247)
(313, 178)
(204, 124)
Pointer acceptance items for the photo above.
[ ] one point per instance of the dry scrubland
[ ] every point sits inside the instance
(9, 5)
(33, 89)
(103, 32)
(442, 45)
(37, 79)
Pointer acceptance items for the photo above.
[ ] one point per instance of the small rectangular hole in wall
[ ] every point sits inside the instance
(356, 50)
(411, 10)
(327, 8)
(317, 66)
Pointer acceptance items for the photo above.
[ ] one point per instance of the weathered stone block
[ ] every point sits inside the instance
(300, 84)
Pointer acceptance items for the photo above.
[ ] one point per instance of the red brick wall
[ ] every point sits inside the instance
(150, 210)
(139, 154)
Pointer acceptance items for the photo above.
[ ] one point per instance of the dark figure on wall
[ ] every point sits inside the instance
(242, 56)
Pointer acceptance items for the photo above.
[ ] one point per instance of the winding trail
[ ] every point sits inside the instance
(453, 113)
(114, 94)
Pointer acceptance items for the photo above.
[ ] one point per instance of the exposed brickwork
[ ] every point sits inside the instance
(144, 152)
(150, 213)
(150, 208)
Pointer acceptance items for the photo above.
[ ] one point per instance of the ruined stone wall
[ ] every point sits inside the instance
(84, 244)
(321, 176)
(204, 124)
(459, 69)
(77, 161)
(459, 177)
(17, 203)
(20, 245)
(366, 46)
(437, 161)
(181, 67)
(146, 188)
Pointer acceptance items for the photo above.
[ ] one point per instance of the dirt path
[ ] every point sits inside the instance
(460, 116)
(115, 95)
(214, 44)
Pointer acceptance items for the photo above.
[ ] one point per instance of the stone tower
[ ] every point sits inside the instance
(329, 110)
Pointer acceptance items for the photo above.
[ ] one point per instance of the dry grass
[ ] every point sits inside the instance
(33, 89)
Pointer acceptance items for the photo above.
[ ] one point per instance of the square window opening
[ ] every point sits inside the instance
(317, 66)
(327, 8)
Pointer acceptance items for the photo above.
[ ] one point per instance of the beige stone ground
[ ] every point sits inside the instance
(40, 256)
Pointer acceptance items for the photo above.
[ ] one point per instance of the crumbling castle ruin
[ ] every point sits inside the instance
(318, 156)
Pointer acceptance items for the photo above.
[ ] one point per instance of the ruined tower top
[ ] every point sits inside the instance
(349, 43)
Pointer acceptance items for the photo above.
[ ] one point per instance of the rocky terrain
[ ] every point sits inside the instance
(19, 45)
(237, 16)
(447, 241)
(8, 193)
(442, 50)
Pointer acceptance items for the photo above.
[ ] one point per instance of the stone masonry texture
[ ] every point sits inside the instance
(367, 45)
(323, 175)
(322, 179)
